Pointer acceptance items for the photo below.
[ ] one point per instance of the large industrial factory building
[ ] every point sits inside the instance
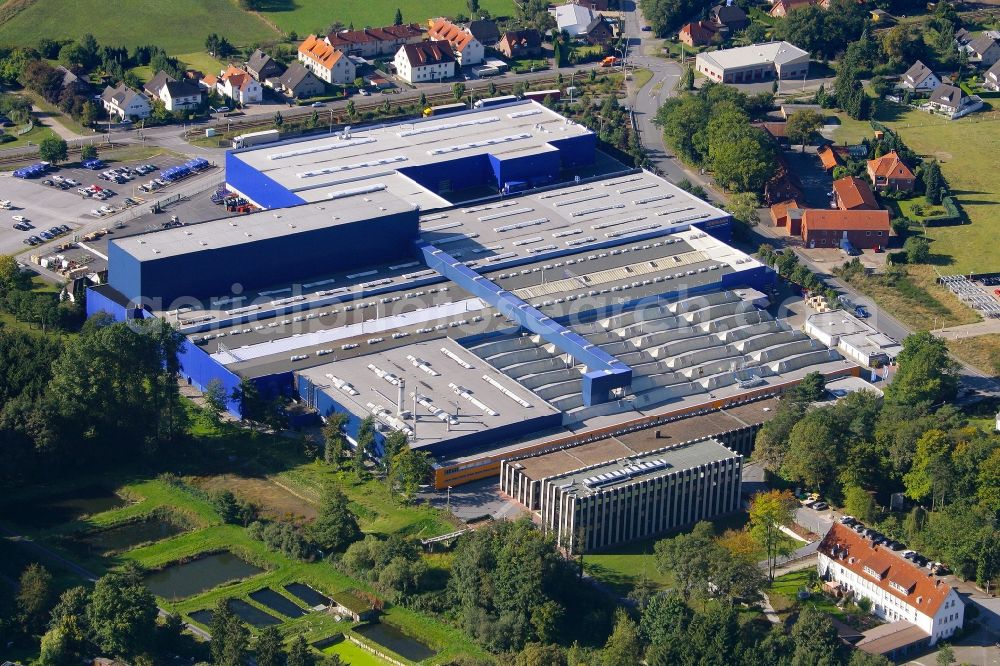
(484, 283)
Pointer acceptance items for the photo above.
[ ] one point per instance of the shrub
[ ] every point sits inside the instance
(284, 538)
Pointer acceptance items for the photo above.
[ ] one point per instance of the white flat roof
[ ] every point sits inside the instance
(312, 167)
(756, 54)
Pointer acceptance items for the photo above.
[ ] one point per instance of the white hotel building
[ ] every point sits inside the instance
(900, 591)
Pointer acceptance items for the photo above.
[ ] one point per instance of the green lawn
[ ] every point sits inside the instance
(969, 152)
(178, 26)
(784, 590)
(353, 655)
(35, 136)
(305, 16)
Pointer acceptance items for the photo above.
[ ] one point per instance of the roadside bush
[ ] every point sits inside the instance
(284, 538)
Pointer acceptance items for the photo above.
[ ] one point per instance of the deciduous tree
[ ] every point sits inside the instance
(769, 512)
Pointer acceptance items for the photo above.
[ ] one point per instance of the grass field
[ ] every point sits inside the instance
(968, 150)
(305, 16)
(353, 655)
(982, 351)
(35, 136)
(178, 26)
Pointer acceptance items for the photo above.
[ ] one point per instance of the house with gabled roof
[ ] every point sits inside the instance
(180, 96)
(239, 86)
(890, 173)
(730, 18)
(153, 86)
(983, 51)
(298, 82)
(952, 102)
(697, 33)
(852, 193)
(425, 62)
(991, 80)
(518, 44)
(900, 591)
(125, 102)
(466, 49)
(261, 66)
(326, 62)
(486, 31)
(375, 42)
(919, 77)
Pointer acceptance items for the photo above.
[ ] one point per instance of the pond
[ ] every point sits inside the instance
(178, 581)
(276, 602)
(395, 640)
(310, 596)
(123, 537)
(43, 513)
(204, 616)
(251, 614)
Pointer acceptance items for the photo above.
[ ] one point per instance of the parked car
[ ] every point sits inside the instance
(317, 104)
(20, 227)
(46, 235)
(19, 218)
(860, 312)
(821, 506)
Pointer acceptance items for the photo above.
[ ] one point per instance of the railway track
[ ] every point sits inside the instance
(28, 155)
(339, 114)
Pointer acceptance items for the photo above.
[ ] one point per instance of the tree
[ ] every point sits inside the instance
(230, 636)
(743, 206)
(666, 616)
(122, 613)
(88, 152)
(926, 374)
(917, 249)
(278, 120)
(769, 511)
(815, 638)
(335, 438)
(690, 557)
(932, 474)
(299, 654)
(53, 149)
(62, 644)
(335, 527)
(458, 91)
(216, 400)
(686, 82)
(623, 646)
(398, 18)
(268, 650)
(861, 658)
(365, 443)
(801, 125)
(945, 655)
(34, 597)
(858, 502)
(814, 450)
(540, 654)
(933, 182)
(408, 469)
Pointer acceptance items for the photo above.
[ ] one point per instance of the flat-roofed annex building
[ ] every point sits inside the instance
(615, 501)
(757, 62)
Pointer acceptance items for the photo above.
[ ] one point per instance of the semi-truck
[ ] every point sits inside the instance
(255, 138)
(494, 101)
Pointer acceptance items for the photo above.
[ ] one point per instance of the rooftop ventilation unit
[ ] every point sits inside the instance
(591, 211)
(321, 148)
(631, 230)
(506, 213)
(520, 225)
(427, 129)
(340, 194)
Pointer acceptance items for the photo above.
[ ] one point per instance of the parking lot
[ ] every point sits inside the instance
(46, 206)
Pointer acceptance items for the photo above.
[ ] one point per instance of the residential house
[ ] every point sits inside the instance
(262, 66)
(125, 102)
(486, 31)
(962, 37)
(777, 130)
(828, 157)
(900, 591)
(864, 229)
(425, 62)
(180, 96)
(784, 185)
(890, 173)
(983, 51)
(852, 193)
(781, 8)
(299, 82)
(952, 102)
(239, 86)
(326, 62)
(991, 80)
(730, 18)
(517, 44)
(757, 62)
(466, 49)
(598, 31)
(70, 79)
(375, 42)
(919, 77)
(154, 85)
(699, 33)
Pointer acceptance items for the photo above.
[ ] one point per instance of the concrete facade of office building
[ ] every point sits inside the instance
(611, 503)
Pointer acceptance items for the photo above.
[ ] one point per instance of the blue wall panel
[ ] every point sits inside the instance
(263, 190)
(721, 229)
(98, 302)
(124, 272)
(199, 369)
(535, 170)
(576, 151)
(760, 278)
(324, 403)
(462, 173)
(285, 259)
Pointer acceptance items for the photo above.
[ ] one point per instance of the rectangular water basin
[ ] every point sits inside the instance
(186, 579)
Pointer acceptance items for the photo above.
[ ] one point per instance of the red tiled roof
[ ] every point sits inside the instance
(780, 210)
(428, 53)
(845, 220)
(925, 592)
(443, 30)
(890, 166)
(320, 52)
(388, 33)
(854, 194)
(699, 31)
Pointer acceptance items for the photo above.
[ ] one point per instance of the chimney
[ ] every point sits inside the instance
(399, 397)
